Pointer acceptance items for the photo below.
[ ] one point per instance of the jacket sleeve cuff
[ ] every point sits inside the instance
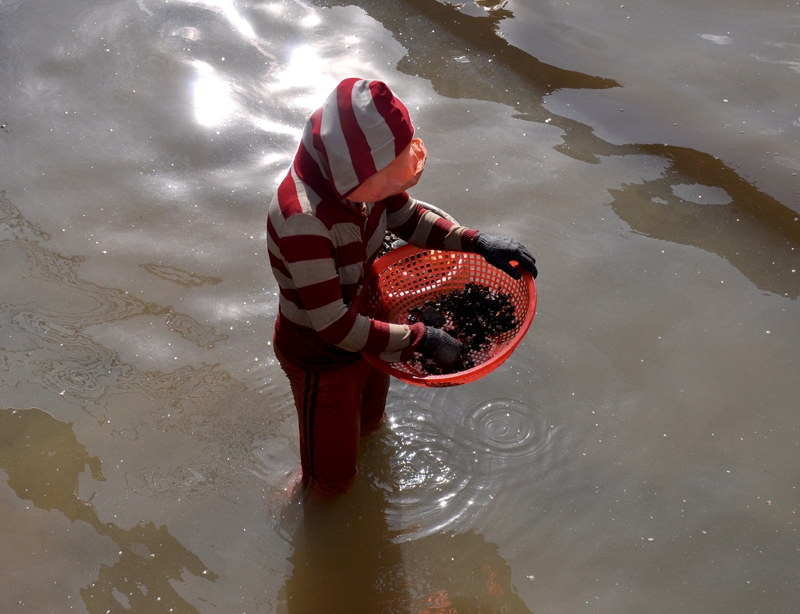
(417, 333)
(468, 239)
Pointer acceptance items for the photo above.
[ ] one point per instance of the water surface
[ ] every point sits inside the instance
(639, 451)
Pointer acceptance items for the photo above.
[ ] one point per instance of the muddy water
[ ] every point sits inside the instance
(640, 450)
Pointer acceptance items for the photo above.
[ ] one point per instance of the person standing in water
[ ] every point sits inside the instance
(325, 226)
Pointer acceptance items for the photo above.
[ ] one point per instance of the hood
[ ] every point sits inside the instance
(359, 130)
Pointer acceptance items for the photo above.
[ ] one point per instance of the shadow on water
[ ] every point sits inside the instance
(755, 232)
(44, 460)
(443, 573)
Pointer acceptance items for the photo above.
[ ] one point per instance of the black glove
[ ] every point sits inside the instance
(498, 251)
(441, 348)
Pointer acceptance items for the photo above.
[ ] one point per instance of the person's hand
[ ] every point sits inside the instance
(499, 251)
(441, 348)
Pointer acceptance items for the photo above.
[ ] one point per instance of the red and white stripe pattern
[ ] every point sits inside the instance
(320, 244)
(359, 130)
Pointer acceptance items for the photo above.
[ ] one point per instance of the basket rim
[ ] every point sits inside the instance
(395, 256)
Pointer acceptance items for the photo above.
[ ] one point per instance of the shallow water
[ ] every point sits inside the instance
(639, 451)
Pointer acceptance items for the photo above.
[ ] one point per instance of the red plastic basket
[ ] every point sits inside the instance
(408, 276)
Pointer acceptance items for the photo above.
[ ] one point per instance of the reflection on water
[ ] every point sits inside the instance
(213, 103)
(183, 278)
(184, 113)
(751, 230)
(485, 60)
(460, 572)
(434, 481)
(51, 348)
(43, 460)
(508, 431)
(51, 344)
(454, 466)
(346, 559)
(755, 233)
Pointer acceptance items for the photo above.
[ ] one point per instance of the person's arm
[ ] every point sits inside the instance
(306, 252)
(424, 228)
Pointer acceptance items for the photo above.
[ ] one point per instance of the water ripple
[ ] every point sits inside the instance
(507, 431)
(430, 477)
(449, 466)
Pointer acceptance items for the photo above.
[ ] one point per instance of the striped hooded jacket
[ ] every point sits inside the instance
(320, 244)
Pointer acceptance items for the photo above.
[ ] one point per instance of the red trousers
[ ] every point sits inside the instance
(334, 408)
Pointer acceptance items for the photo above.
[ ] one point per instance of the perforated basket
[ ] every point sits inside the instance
(408, 276)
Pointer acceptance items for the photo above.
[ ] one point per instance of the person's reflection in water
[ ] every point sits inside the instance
(341, 551)
(44, 460)
(344, 559)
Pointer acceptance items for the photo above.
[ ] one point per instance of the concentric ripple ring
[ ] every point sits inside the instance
(507, 430)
